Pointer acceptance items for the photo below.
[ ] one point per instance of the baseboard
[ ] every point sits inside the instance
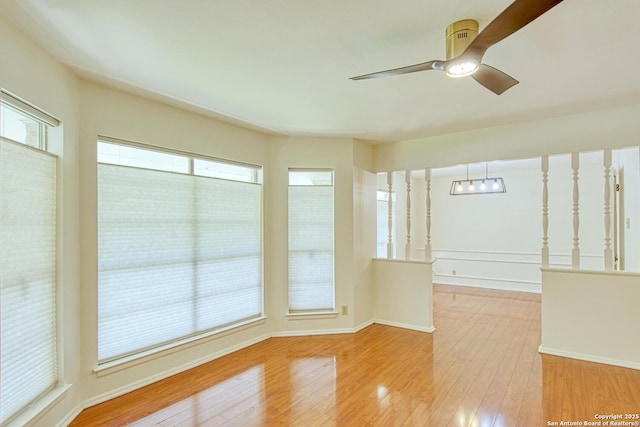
(358, 328)
(175, 370)
(485, 283)
(589, 358)
(363, 325)
(70, 416)
(428, 329)
(306, 333)
(194, 363)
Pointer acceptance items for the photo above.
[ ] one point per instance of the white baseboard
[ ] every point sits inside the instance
(485, 283)
(364, 325)
(589, 358)
(70, 416)
(306, 333)
(169, 372)
(428, 329)
(354, 330)
(194, 363)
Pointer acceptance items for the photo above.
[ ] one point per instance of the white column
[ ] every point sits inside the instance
(608, 251)
(427, 246)
(545, 211)
(390, 215)
(407, 246)
(575, 252)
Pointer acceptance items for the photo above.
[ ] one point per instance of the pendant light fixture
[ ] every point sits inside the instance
(484, 185)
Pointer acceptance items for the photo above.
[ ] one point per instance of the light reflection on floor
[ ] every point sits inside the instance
(215, 405)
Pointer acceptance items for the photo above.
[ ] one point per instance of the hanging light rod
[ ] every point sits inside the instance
(484, 185)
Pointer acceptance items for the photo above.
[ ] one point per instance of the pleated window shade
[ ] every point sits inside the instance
(178, 255)
(311, 241)
(27, 276)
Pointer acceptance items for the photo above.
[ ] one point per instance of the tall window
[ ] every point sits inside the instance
(179, 247)
(27, 257)
(311, 241)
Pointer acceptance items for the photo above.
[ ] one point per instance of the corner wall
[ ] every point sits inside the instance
(109, 112)
(364, 233)
(310, 152)
(403, 294)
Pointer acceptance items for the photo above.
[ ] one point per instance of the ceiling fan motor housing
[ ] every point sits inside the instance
(459, 35)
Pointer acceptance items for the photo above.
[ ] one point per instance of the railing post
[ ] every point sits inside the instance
(575, 252)
(427, 247)
(545, 211)
(407, 247)
(390, 215)
(608, 251)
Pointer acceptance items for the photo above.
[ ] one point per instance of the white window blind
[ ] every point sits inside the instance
(311, 241)
(27, 276)
(179, 255)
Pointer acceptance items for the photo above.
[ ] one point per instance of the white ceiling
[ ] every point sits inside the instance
(283, 66)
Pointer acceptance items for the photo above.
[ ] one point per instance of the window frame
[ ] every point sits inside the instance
(114, 364)
(312, 312)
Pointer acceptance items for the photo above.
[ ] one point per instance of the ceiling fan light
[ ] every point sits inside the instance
(461, 68)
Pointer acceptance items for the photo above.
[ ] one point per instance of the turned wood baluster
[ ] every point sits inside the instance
(427, 247)
(575, 252)
(390, 215)
(407, 247)
(608, 251)
(545, 211)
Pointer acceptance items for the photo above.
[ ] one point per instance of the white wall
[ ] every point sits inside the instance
(403, 294)
(309, 152)
(628, 161)
(495, 240)
(89, 110)
(490, 240)
(364, 232)
(595, 130)
(591, 316)
(33, 75)
(364, 238)
(109, 112)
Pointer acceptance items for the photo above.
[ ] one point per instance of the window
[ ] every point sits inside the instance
(23, 123)
(179, 247)
(311, 241)
(27, 257)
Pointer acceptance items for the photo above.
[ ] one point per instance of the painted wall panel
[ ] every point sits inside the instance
(591, 316)
(403, 294)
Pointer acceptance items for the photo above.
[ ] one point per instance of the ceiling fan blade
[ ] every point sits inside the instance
(493, 79)
(431, 65)
(517, 15)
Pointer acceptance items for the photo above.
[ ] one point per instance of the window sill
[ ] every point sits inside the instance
(118, 365)
(40, 407)
(310, 315)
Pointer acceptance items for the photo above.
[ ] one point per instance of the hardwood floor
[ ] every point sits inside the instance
(480, 368)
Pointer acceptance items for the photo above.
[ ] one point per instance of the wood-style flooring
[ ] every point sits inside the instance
(480, 368)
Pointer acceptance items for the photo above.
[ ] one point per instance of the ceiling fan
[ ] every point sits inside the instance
(465, 47)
